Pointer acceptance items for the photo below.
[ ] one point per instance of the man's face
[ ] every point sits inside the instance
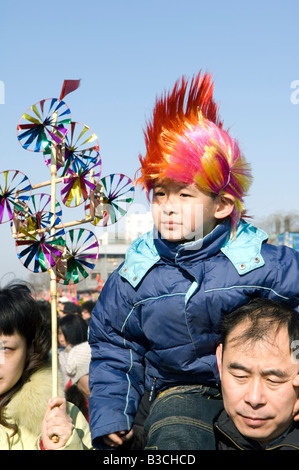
(182, 212)
(259, 384)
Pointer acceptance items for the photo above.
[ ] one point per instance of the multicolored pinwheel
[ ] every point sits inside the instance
(112, 198)
(79, 180)
(44, 124)
(40, 240)
(37, 248)
(80, 140)
(41, 202)
(34, 214)
(79, 257)
(13, 184)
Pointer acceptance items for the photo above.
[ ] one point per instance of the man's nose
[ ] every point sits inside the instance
(255, 394)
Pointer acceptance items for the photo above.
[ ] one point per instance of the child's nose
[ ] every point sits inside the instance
(170, 206)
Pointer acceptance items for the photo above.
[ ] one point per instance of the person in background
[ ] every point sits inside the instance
(86, 309)
(60, 305)
(72, 330)
(69, 308)
(259, 367)
(77, 369)
(29, 417)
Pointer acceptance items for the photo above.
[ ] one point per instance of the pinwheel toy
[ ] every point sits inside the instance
(43, 125)
(80, 140)
(112, 198)
(13, 184)
(77, 184)
(79, 256)
(42, 242)
(34, 215)
(38, 249)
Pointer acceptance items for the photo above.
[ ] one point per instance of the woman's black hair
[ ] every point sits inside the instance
(74, 329)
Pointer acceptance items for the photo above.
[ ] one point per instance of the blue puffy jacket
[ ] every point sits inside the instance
(156, 322)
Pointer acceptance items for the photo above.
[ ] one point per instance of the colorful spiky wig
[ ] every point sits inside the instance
(186, 142)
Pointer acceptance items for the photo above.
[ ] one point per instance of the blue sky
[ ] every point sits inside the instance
(126, 53)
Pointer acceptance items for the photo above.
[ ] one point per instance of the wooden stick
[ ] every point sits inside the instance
(53, 282)
(47, 229)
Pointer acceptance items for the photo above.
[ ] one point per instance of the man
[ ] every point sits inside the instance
(259, 368)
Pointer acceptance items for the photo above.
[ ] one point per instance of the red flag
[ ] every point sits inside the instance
(69, 86)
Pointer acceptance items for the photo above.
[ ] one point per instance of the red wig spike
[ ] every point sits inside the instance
(186, 142)
(172, 113)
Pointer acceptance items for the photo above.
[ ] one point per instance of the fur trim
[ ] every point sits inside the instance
(28, 406)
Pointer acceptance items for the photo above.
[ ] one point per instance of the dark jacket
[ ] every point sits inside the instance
(229, 438)
(156, 322)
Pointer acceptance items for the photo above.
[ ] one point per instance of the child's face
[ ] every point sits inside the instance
(182, 212)
(13, 351)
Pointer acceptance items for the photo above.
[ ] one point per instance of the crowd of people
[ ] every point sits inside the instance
(192, 343)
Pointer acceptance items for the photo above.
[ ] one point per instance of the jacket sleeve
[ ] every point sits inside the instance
(285, 286)
(116, 376)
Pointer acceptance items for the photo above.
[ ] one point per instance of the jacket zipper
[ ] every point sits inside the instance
(222, 432)
(153, 390)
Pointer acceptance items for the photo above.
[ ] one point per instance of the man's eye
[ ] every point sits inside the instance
(274, 382)
(241, 377)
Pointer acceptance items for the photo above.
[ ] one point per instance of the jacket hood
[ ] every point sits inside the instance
(28, 406)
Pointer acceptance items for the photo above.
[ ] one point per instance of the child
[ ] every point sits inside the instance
(28, 416)
(156, 324)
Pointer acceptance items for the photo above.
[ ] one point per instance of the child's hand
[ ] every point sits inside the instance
(56, 423)
(116, 439)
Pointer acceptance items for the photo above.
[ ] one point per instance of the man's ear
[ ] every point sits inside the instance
(296, 404)
(219, 358)
(225, 206)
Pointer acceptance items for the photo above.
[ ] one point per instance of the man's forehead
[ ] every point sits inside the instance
(275, 339)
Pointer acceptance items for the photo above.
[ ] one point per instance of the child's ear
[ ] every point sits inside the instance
(225, 206)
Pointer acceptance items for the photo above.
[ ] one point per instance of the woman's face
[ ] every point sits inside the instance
(13, 353)
(61, 339)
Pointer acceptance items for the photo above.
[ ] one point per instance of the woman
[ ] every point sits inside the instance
(28, 418)
(72, 330)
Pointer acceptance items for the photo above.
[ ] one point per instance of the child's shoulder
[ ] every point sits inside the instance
(244, 247)
(140, 257)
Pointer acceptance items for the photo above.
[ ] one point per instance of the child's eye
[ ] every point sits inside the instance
(185, 195)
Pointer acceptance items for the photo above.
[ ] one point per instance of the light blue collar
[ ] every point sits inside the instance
(140, 257)
(243, 250)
